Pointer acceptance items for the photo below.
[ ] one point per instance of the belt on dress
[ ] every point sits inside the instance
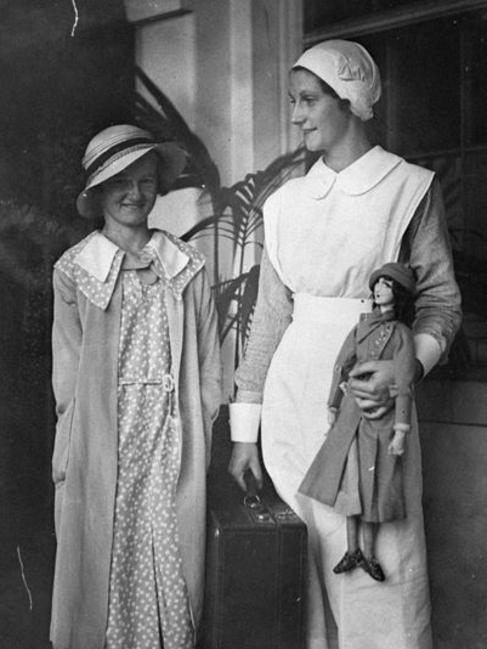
(166, 380)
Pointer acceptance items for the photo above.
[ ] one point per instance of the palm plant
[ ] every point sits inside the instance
(238, 219)
(236, 211)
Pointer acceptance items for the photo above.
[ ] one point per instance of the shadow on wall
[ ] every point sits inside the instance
(57, 90)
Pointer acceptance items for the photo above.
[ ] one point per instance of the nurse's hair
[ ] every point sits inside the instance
(327, 89)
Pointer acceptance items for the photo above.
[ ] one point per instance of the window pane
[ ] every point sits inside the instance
(433, 111)
(318, 13)
(424, 74)
(475, 188)
(475, 43)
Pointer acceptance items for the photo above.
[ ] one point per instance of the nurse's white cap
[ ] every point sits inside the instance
(349, 69)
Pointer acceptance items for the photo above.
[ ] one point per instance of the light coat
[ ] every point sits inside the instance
(85, 359)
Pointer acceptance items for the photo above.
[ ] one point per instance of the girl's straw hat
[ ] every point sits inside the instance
(117, 147)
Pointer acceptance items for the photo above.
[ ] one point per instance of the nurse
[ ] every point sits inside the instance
(358, 207)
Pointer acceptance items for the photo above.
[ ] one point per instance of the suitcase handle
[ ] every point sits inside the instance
(251, 499)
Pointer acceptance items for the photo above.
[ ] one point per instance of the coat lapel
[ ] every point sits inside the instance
(377, 328)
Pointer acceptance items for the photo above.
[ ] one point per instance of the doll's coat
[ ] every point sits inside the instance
(374, 338)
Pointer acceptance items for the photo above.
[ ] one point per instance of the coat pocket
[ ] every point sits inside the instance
(60, 455)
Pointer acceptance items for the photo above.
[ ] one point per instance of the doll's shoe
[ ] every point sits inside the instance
(349, 561)
(373, 568)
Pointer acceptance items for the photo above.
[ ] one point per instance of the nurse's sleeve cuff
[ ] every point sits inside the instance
(245, 421)
(428, 351)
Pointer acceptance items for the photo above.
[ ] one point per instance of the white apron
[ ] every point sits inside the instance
(325, 234)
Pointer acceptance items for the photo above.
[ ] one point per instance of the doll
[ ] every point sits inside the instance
(358, 469)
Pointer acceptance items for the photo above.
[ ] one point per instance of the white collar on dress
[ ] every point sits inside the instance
(172, 258)
(94, 264)
(97, 256)
(358, 178)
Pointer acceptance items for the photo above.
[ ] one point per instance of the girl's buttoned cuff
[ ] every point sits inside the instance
(245, 422)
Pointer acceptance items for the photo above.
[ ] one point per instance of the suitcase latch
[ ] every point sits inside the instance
(257, 510)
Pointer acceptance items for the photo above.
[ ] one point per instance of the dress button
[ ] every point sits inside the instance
(168, 383)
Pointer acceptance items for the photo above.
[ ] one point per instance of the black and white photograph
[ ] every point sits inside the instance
(243, 330)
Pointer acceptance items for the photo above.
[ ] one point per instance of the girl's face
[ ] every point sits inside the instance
(127, 198)
(322, 118)
(383, 295)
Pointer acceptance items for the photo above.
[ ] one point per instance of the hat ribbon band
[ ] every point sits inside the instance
(117, 148)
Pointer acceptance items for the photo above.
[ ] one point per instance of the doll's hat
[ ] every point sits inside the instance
(401, 273)
(114, 149)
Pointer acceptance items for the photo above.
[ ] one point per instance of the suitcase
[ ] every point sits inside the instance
(255, 577)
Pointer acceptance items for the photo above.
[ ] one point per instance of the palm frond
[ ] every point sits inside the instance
(247, 302)
(237, 209)
(226, 294)
(168, 120)
(245, 199)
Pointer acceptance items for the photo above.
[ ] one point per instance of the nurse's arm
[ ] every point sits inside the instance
(272, 316)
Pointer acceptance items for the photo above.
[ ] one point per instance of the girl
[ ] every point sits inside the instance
(136, 378)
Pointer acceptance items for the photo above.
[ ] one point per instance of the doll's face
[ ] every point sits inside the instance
(383, 295)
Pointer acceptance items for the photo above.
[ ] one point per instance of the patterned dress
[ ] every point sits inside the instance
(148, 603)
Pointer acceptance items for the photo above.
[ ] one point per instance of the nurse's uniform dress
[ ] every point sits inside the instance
(325, 234)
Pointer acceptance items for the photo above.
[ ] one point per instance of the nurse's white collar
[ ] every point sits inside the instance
(97, 256)
(358, 178)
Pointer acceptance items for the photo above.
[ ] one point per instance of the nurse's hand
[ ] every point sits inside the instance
(369, 383)
(245, 456)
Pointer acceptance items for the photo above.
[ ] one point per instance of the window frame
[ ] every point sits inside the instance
(391, 19)
(471, 361)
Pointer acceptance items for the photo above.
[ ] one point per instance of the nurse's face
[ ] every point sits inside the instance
(322, 118)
